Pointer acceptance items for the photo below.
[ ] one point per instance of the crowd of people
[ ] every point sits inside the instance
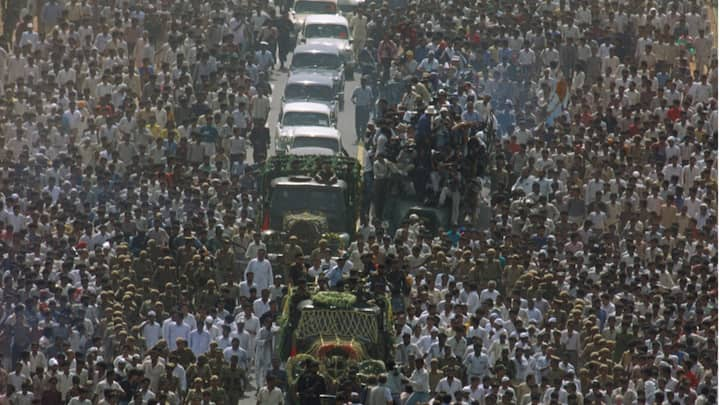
(581, 133)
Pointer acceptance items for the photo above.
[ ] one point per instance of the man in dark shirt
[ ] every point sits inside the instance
(310, 385)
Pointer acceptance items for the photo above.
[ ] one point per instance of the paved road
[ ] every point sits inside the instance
(346, 125)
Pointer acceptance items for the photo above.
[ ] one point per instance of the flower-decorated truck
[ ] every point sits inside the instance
(348, 334)
(296, 202)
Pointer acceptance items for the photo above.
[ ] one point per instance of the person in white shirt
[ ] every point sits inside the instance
(251, 324)
(262, 269)
(449, 384)
(262, 304)
(199, 339)
(474, 390)
(151, 330)
(174, 330)
(254, 246)
(237, 351)
(477, 362)
(420, 382)
(270, 394)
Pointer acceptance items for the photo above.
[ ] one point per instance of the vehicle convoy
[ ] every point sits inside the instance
(297, 201)
(333, 31)
(300, 115)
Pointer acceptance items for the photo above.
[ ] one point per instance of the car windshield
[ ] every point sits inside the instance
(322, 199)
(315, 7)
(316, 60)
(315, 142)
(303, 118)
(309, 92)
(336, 31)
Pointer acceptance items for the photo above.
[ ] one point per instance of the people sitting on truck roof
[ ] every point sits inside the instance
(326, 174)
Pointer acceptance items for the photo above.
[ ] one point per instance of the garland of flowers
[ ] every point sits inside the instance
(329, 299)
(296, 365)
(334, 240)
(351, 350)
(371, 367)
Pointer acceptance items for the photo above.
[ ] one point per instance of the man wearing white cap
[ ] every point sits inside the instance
(151, 330)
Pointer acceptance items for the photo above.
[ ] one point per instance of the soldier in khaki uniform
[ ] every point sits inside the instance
(292, 249)
(224, 262)
(234, 379)
(184, 355)
(196, 392)
(512, 272)
(488, 269)
(217, 393)
(201, 370)
(464, 267)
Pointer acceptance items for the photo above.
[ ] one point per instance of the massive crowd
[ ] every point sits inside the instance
(573, 142)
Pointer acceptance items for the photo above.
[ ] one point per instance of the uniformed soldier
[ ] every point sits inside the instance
(234, 379)
(512, 272)
(291, 251)
(196, 392)
(200, 369)
(217, 393)
(184, 355)
(224, 262)
(489, 269)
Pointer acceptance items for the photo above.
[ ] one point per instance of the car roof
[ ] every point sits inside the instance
(310, 78)
(311, 151)
(326, 19)
(316, 48)
(305, 106)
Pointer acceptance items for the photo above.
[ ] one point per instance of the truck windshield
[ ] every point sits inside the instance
(289, 199)
(315, 142)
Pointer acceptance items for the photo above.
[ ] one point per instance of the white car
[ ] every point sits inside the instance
(332, 31)
(315, 141)
(301, 114)
(303, 8)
